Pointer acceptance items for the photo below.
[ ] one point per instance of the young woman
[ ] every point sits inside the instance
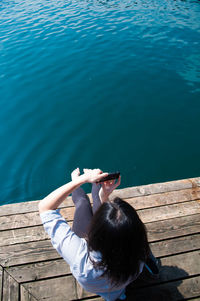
(107, 246)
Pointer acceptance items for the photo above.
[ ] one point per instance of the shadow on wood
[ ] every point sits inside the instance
(163, 289)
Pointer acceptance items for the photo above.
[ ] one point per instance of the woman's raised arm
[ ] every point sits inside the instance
(55, 198)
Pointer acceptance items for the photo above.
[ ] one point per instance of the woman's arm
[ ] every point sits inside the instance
(55, 198)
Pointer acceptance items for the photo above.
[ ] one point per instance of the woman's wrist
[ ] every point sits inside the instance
(103, 197)
(80, 180)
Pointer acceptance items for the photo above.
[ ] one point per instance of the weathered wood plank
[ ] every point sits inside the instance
(176, 245)
(25, 207)
(157, 188)
(29, 234)
(172, 268)
(169, 211)
(129, 192)
(1, 282)
(30, 219)
(20, 235)
(173, 227)
(10, 288)
(27, 253)
(180, 266)
(22, 271)
(39, 270)
(16, 236)
(175, 290)
(61, 288)
(25, 295)
(40, 250)
(166, 198)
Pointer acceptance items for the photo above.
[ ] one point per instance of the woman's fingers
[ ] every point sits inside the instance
(94, 175)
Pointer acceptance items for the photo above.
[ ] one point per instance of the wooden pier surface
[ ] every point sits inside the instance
(30, 269)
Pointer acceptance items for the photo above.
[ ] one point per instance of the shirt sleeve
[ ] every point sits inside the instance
(63, 239)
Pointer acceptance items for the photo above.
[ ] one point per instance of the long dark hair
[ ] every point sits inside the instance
(117, 232)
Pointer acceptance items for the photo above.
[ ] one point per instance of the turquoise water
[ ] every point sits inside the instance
(108, 84)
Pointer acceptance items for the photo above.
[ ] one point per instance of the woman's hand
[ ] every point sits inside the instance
(93, 175)
(107, 188)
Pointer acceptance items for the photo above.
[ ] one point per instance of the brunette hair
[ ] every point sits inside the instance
(117, 232)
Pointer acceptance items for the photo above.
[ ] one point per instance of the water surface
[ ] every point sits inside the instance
(109, 84)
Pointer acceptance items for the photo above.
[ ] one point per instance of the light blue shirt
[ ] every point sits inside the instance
(75, 252)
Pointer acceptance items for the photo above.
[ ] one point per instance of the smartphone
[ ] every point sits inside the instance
(111, 176)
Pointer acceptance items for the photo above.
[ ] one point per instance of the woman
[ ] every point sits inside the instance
(107, 246)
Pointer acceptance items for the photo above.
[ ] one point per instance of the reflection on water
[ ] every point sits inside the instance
(109, 84)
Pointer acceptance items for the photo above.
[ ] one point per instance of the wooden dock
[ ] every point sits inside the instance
(30, 269)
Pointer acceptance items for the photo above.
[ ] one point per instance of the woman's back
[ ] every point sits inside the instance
(117, 232)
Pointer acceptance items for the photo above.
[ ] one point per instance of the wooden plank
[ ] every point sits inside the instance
(42, 250)
(175, 290)
(173, 227)
(61, 288)
(10, 288)
(27, 253)
(129, 192)
(1, 282)
(20, 235)
(39, 270)
(180, 266)
(33, 219)
(30, 219)
(16, 236)
(23, 272)
(172, 268)
(166, 198)
(169, 211)
(25, 295)
(176, 245)
(157, 188)
(25, 207)
(29, 234)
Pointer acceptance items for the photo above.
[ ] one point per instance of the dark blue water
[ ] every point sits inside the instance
(108, 84)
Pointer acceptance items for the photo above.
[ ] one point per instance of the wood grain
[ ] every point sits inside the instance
(41, 250)
(30, 219)
(166, 198)
(180, 266)
(173, 227)
(129, 192)
(25, 207)
(157, 188)
(62, 288)
(39, 270)
(155, 214)
(27, 253)
(1, 282)
(173, 291)
(169, 211)
(176, 245)
(27, 219)
(25, 295)
(10, 288)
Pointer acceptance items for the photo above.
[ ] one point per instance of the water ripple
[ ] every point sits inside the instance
(97, 83)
